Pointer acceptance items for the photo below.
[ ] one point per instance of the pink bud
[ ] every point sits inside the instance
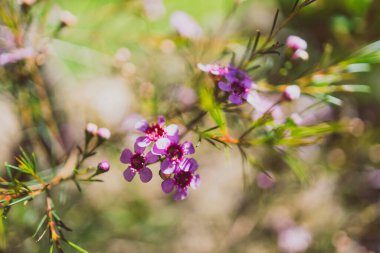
(91, 128)
(104, 133)
(292, 92)
(104, 166)
(27, 2)
(68, 19)
(295, 42)
(300, 54)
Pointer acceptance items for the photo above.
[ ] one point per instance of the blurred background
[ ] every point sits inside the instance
(112, 67)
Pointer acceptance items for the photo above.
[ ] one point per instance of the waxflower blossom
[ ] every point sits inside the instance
(174, 152)
(184, 178)
(155, 131)
(292, 92)
(238, 84)
(138, 164)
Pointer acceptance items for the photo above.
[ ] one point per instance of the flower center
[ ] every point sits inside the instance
(183, 178)
(237, 88)
(174, 152)
(137, 161)
(154, 132)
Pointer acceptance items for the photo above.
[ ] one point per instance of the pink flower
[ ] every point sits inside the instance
(214, 69)
(264, 181)
(183, 179)
(155, 131)
(185, 25)
(294, 239)
(174, 153)
(138, 161)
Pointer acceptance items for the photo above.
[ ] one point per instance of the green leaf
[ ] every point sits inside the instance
(75, 246)
(296, 166)
(20, 200)
(40, 225)
(368, 54)
(209, 104)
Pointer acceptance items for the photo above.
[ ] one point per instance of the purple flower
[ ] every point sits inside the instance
(155, 131)
(174, 153)
(238, 84)
(184, 178)
(138, 162)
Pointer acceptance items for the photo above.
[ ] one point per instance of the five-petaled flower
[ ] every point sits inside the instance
(182, 179)
(138, 163)
(238, 84)
(155, 131)
(174, 152)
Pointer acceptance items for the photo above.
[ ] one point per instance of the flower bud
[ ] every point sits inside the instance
(103, 167)
(300, 54)
(91, 128)
(295, 43)
(292, 92)
(104, 133)
(68, 19)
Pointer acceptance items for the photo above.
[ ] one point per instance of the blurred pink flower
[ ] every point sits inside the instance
(15, 55)
(374, 178)
(264, 180)
(154, 9)
(294, 239)
(185, 25)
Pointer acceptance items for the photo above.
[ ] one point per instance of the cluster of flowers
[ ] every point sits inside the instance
(176, 169)
(239, 85)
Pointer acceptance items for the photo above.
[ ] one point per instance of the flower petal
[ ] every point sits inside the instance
(151, 158)
(167, 167)
(129, 174)
(161, 120)
(235, 99)
(195, 182)
(172, 132)
(188, 148)
(181, 194)
(125, 156)
(145, 175)
(224, 86)
(141, 125)
(159, 148)
(142, 141)
(167, 185)
(138, 148)
(188, 164)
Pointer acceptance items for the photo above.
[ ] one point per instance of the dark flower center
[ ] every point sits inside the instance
(183, 178)
(174, 152)
(137, 161)
(154, 132)
(237, 88)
